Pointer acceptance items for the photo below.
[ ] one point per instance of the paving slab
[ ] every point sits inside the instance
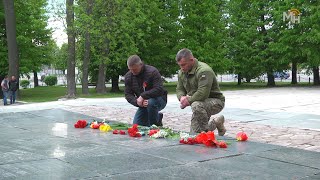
(294, 156)
(16, 155)
(122, 163)
(235, 167)
(44, 169)
(43, 144)
(199, 153)
(312, 177)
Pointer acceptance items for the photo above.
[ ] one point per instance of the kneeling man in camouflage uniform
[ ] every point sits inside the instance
(198, 87)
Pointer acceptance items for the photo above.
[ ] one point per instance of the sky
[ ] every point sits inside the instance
(56, 21)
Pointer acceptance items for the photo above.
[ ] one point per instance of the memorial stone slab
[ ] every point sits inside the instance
(44, 169)
(292, 155)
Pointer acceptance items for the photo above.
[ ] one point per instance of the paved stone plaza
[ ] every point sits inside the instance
(38, 141)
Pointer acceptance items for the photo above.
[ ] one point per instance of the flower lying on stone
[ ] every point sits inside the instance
(160, 134)
(134, 131)
(81, 124)
(104, 127)
(95, 125)
(206, 138)
(241, 136)
(153, 131)
(222, 144)
(118, 132)
(189, 140)
(186, 138)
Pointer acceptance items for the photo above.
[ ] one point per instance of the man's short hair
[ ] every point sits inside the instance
(133, 60)
(184, 53)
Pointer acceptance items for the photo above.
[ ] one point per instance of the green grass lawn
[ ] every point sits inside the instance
(53, 93)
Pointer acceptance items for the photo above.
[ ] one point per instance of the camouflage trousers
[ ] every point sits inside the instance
(201, 113)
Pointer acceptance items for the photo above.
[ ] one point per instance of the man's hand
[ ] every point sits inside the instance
(145, 103)
(140, 101)
(184, 102)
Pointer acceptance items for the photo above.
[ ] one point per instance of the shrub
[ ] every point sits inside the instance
(24, 84)
(50, 80)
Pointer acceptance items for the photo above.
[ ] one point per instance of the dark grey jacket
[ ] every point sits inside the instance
(13, 85)
(148, 84)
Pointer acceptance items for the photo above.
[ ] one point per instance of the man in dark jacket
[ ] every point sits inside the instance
(144, 89)
(13, 87)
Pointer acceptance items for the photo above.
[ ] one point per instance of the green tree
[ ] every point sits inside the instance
(160, 38)
(112, 39)
(310, 37)
(3, 44)
(203, 31)
(244, 41)
(61, 57)
(34, 38)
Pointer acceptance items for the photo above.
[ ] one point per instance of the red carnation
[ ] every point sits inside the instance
(211, 136)
(133, 131)
(222, 144)
(190, 141)
(200, 138)
(80, 124)
(153, 131)
(241, 136)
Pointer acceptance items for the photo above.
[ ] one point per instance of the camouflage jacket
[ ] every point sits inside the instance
(199, 83)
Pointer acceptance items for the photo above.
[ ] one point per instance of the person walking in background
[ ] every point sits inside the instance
(5, 89)
(144, 89)
(198, 87)
(13, 87)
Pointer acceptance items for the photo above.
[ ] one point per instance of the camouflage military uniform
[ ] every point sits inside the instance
(201, 86)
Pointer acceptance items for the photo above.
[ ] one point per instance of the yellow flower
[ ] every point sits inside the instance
(105, 127)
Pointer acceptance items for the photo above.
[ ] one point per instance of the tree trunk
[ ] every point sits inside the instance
(316, 80)
(294, 72)
(239, 79)
(115, 84)
(35, 79)
(271, 81)
(101, 84)
(86, 59)
(71, 83)
(11, 38)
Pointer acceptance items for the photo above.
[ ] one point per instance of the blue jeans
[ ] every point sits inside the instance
(12, 97)
(5, 96)
(147, 116)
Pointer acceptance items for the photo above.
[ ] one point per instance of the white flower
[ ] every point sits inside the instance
(160, 134)
(184, 135)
